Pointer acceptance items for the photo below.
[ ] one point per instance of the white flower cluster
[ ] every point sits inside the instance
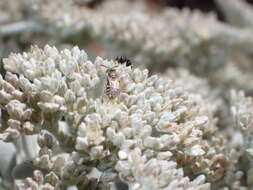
(165, 128)
(153, 117)
(241, 108)
(156, 173)
(47, 84)
(39, 182)
(242, 111)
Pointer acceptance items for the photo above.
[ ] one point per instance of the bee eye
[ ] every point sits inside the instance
(123, 59)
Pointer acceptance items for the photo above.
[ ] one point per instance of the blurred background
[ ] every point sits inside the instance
(199, 35)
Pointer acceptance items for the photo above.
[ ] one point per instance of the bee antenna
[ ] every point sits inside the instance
(105, 66)
(109, 68)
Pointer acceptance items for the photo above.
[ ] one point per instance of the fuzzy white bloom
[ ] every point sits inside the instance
(151, 114)
(156, 174)
(241, 108)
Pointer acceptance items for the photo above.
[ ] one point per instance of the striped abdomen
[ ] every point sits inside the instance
(112, 89)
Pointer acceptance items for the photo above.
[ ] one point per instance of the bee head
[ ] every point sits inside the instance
(123, 60)
(111, 72)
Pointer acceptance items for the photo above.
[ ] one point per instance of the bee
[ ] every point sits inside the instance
(123, 59)
(112, 86)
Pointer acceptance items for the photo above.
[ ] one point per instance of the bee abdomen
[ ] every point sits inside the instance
(111, 92)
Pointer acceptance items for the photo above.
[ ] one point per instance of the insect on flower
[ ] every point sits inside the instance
(122, 60)
(112, 86)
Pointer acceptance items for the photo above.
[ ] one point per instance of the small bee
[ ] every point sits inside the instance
(112, 86)
(122, 60)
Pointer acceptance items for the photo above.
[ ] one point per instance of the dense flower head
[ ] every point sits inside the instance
(155, 114)
(60, 96)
